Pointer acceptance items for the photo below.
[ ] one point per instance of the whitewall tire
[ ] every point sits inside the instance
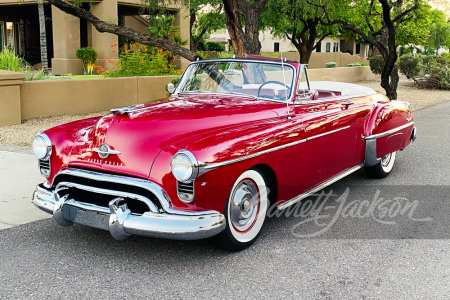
(245, 211)
(383, 168)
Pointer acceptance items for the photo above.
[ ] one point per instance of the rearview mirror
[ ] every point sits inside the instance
(171, 88)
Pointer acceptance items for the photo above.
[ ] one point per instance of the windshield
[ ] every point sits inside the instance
(257, 79)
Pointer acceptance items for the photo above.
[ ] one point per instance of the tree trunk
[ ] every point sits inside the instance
(193, 45)
(233, 23)
(251, 41)
(42, 36)
(390, 83)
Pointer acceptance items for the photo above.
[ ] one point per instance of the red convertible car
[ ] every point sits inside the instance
(236, 137)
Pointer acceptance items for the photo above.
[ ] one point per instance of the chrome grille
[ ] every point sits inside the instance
(185, 191)
(44, 167)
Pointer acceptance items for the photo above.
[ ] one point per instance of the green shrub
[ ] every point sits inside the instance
(435, 74)
(434, 58)
(142, 61)
(356, 64)
(271, 54)
(331, 65)
(410, 66)
(215, 46)
(201, 46)
(88, 57)
(11, 62)
(377, 64)
(225, 54)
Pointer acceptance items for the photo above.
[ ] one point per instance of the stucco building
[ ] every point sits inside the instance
(270, 43)
(19, 31)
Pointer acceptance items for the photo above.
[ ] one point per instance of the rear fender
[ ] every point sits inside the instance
(388, 128)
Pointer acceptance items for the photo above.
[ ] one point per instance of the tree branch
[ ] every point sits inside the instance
(320, 40)
(142, 38)
(399, 19)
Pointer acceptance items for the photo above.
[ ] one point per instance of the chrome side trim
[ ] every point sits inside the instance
(208, 167)
(317, 188)
(383, 134)
(203, 168)
(154, 188)
(308, 102)
(327, 133)
(147, 201)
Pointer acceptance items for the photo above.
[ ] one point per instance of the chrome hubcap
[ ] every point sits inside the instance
(244, 205)
(385, 160)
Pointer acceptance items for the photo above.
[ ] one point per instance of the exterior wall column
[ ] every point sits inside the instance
(10, 112)
(66, 42)
(182, 21)
(107, 11)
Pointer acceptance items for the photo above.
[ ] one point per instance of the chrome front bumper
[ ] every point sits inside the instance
(121, 223)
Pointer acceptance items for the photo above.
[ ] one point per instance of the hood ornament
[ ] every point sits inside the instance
(104, 151)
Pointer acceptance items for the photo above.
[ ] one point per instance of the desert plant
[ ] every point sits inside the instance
(88, 57)
(11, 62)
(331, 65)
(32, 75)
(410, 66)
(377, 64)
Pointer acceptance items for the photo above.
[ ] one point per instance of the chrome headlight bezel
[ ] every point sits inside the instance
(193, 166)
(42, 146)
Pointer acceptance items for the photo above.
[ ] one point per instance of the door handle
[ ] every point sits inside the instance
(348, 103)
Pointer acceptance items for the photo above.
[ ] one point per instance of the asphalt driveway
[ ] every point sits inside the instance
(398, 251)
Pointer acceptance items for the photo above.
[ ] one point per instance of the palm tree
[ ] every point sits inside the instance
(42, 36)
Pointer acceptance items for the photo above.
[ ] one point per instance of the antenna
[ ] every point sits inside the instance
(285, 89)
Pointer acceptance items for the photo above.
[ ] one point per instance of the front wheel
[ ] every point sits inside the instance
(383, 168)
(245, 211)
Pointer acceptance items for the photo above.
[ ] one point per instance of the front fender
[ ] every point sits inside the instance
(63, 139)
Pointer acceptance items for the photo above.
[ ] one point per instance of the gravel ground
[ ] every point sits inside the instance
(407, 91)
(14, 138)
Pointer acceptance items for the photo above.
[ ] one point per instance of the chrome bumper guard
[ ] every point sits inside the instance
(121, 223)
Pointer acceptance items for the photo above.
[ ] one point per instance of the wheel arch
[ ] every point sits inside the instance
(272, 182)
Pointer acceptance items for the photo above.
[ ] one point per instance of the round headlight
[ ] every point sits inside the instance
(42, 146)
(184, 166)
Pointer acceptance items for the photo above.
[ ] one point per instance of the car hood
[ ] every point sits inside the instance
(141, 134)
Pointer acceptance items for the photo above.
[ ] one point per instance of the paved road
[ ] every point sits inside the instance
(383, 255)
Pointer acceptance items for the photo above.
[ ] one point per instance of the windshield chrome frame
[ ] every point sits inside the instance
(243, 60)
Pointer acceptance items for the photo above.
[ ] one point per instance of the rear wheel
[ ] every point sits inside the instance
(383, 168)
(245, 211)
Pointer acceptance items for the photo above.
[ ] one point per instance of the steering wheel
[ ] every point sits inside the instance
(276, 82)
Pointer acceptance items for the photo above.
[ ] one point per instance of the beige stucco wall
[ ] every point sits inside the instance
(66, 41)
(346, 74)
(10, 97)
(77, 96)
(318, 60)
(25, 100)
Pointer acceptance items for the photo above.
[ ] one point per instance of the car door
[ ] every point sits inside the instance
(332, 125)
